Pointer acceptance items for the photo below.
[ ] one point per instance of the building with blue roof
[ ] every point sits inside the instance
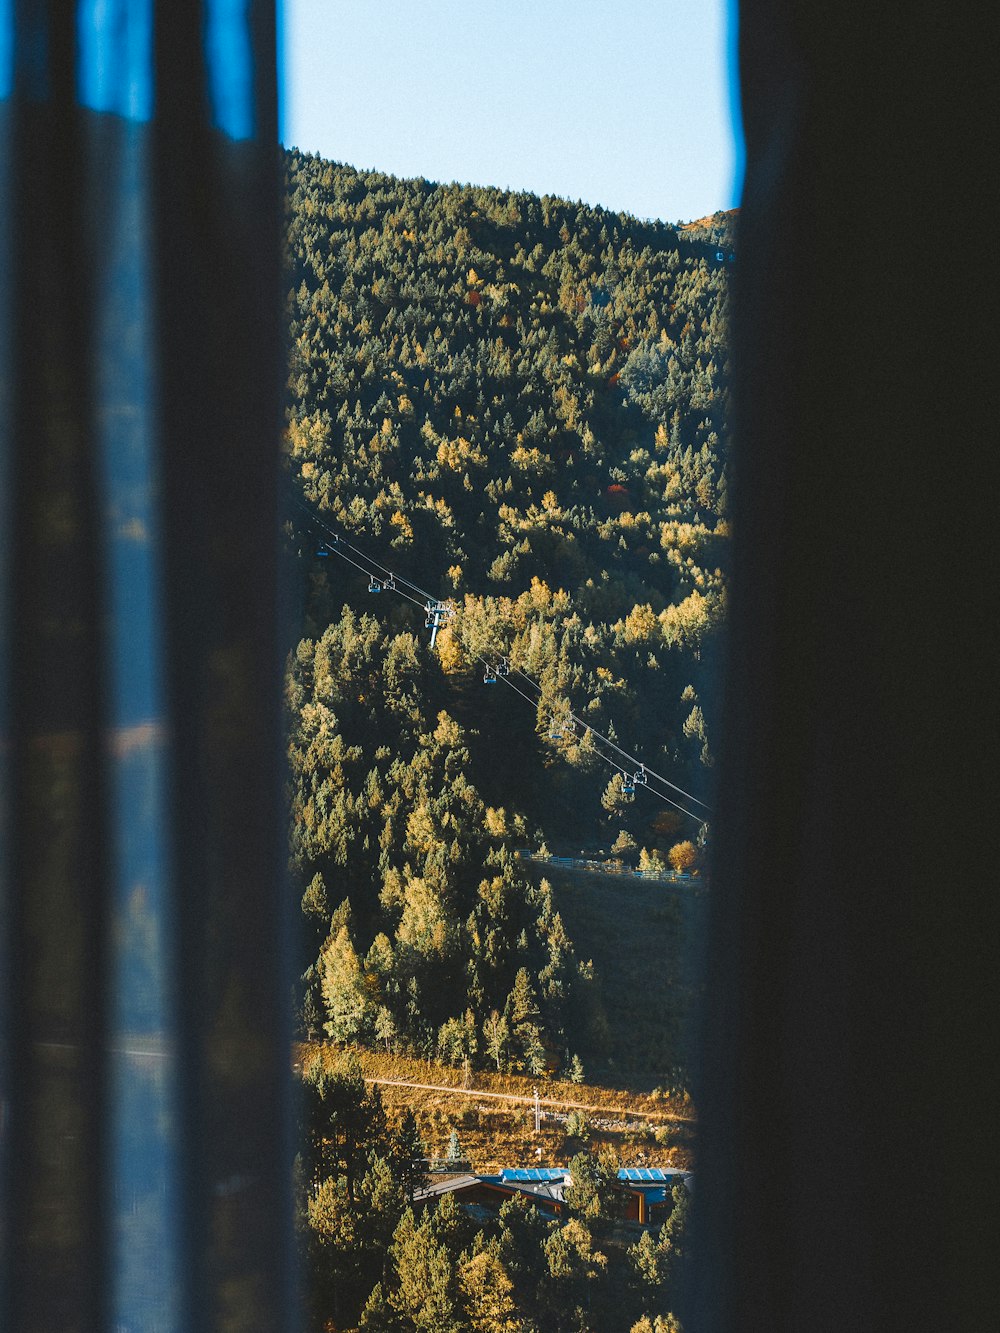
(534, 1174)
(646, 1191)
(653, 1188)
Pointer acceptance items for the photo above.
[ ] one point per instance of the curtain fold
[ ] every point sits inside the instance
(144, 1059)
(846, 1102)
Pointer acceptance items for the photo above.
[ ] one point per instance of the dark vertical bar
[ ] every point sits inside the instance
(55, 816)
(845, 1099)
(219, 372)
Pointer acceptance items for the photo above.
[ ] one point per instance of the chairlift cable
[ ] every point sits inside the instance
(507, 681)
(698, 819)
(398, 577)
(335, 549)
(572, 717)
(342, 541)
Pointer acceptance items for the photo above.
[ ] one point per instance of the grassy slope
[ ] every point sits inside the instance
(644, 938)
(645, 1130)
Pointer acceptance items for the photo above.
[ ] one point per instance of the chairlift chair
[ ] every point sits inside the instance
(503, 667)
(489, 676)
(641, 779)
(390, 583)
(374, 585)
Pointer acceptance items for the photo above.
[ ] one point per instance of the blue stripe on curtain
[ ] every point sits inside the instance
(6, 48)
(115, 60)
(230, 67)
(144, 1142)
(115, 56)
(143, 1139)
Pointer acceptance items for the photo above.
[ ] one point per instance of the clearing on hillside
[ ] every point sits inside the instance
(644, 938)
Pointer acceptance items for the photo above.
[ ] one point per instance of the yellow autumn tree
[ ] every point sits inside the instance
(641, 625)
(487, 1292)
(421, 835)
(683, 856)
(424, 925)
(449, 652)
(345, 994)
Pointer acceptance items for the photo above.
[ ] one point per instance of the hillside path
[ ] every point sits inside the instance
(529, 1101)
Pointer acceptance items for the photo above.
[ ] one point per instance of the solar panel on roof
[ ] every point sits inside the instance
(659, 1174)
(533, 1173)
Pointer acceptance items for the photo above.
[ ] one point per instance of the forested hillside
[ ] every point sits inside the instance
(519, 404)
(376, 1260)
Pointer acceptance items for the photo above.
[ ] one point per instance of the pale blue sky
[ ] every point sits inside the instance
(624, 103)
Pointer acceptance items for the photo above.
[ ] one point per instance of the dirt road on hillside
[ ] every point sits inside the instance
(547, 1102)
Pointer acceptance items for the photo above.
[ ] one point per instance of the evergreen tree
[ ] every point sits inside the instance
(345, 996)
(521, 1014)
(595, 1192)
(496, 1036)
(314, 900)
(424, 1293)
(408, 1154)
(487, 1295)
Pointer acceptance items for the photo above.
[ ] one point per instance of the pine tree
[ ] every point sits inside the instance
(378, 1316)
(424, 1295)
(385, 1030)
(661, 1323)
(521, 1014)
(595, 1192)
(345, 995)
(496, 1036)
(521, 1007)
(408, 1153)
(311, 1015)
(649, 1261)
(314, 900)
(487, 1295)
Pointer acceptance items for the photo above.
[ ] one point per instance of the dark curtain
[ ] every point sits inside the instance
(144, 1057)
(845, 1178)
